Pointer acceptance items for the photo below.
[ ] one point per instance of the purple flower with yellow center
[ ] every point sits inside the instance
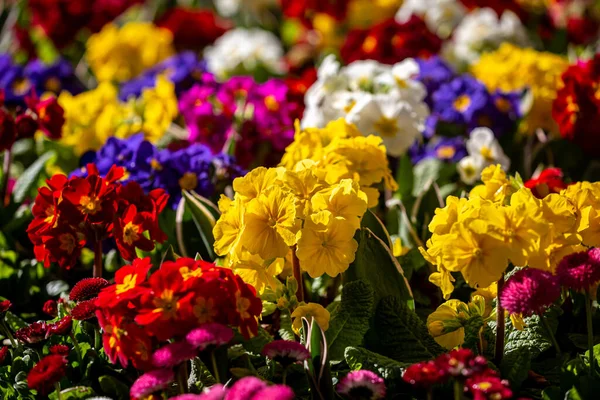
(53, 78)
(461, 101)
(450, 149)
(183, 70)
(13, 81)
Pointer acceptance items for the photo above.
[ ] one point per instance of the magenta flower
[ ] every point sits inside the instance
(245, 388)
(209, 334)
(274, 392)
(285, 352)
(151, 382)
(362, 384)
(173, 354)
(529, 291)
(580, 271)
(215, 392)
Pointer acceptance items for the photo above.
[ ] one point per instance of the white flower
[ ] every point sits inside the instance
(441, 16)
(482, 30)
(483, 146)
(469, 169)
(245, 49)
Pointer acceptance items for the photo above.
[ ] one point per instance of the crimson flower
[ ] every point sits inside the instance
(46, 373)
(87, 288)
(548, 181)
(61, 327)
(3, 353)
(50, 308)
(85, 309)
(8, 131)
(4, 306)
(424, 374)
(32, 333)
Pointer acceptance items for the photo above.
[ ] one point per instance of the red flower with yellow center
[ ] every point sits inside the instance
(128, 281)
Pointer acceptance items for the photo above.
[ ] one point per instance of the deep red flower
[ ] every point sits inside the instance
(3, 353)
(484, 387)
(8, 131)
(193, 29)
(50, 308)
(85, 309)
(87, 288)
(51, 117)
(497, 5)
(129, 232)
(61, 327)
(548, 181)
(128, 281)
(582, 30)
(62, 245)
(298, 86)
(305, 10)
(60, 349)
(4, 306)
(26, 126)
(32, 333)
(390, 42)
(462, 362)
(424, 374)
(46, 373)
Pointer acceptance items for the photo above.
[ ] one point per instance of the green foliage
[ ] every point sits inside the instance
(361, 358)
(29, 179)
(114, 387)
(515, 366)
(374, 224)
(374, 263)
(472, 332)
(400, 334)
(72, 393)
(534, 337)
(255, 345)
(204, 218)
(350, 321)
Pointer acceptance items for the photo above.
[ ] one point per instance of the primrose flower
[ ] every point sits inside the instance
(424, 374)
(361, 384)
(317, 311)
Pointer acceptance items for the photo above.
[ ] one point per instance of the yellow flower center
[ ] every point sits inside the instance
(21, 86)
(204, 310)
(128, 283)
(469, 171)
(477, 252)
(486, 153)
(90, 205)
(369, 44)
(401, 83)
(271, 103)
(462, 102)
(445, 152)
(166, 304)
(188, 181)
(67, 242)
(386, 127)
(130, 233)
(503, 105)
(484, 385)
(571, 105)
(53, 84)
(242, 305)
(350, 106)
(156, 165)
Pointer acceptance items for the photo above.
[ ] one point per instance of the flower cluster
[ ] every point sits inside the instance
(94, 116)
(70, 213)
(137, 314)
(441, 16)
(240, 115)
(188, 168)
(511, 68)
(463, 366)
(484, 150)
(576, 108)
(379, 99)
(119, 54)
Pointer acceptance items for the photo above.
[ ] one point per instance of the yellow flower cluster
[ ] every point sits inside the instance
(512, 68)
(498, 223)
(312, 206)
(119, 54)
(585, 197)
(93, 116)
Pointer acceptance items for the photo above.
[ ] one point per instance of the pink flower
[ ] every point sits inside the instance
(209, 334)
(484, 387)
(173, 354)
(245, 388)
(285, 352)
(424, 374)
(274, 392)
(529, 291)
(357, 383)
(215, 392)
(151, 382)
(461, 363)
(580, 271)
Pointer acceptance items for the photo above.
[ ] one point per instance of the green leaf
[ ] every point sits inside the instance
(29, 178)
(204, 218)
(14, 322)
(77, 392)
(405, 178)
(515, 366)
(426, 172)
(374, 263)
(472, 330)
(573, 394)
(285, 327)
(114, 387)
(256, 344)
(552, 393)
(400, 334)
(534, 336)
(319, 365)
(580, 340)
(372, 222)
(596, 355)
(351, 319)
(361, 358)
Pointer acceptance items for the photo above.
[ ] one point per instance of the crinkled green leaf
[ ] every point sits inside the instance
(14, 322)
(400, 334)
(361, 358)
(515, 366)
(256, 344)
(350, 321)
(534, 336)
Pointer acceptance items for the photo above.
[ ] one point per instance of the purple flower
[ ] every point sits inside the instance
(461, 101)
(529, 291)
(53, 77)
(361, 384)
(285, 351)
(209, 334)
(443, 148)
(580, 271)
(173, 354)
(433, 72)
(151, 382)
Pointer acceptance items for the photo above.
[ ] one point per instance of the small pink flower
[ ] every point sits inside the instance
(529, 291)
(209, 334)
(358, 383)
(245, 388)
(286, 352)
(215, 392)
(580, 271)
(274, 392)
(173, 354)
(151, 382)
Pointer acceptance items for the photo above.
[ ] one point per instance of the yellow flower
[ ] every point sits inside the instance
(344, 200)
(398, 249)
(303, 184)
(326, 249)
(365, 13)
(446, 326)
(270, 224)
(119, 54)
(229, 226)
(317, 311)
(495, 188)
(256, 182)
(442, 279)
(511, 68)
(444, 218)
(159, 106)
(257, 272)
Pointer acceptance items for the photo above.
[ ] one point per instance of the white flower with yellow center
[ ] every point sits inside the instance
(483, 146)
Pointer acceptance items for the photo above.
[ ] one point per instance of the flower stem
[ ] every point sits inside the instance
(76, 346)
(97, 339)
(458, 390)
(6, 331)
(429, 394)
(298, 275)
(590, 330)
(552, 337)
(58, 393)
(499, 324)
(285, 370)
(182, 378)
(215, 368)
(4, 194)
(98, 259)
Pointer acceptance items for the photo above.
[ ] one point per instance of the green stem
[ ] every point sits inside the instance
(458, 390)
(285, 370)
(97, 339)
(214, 365)
(590, 330)
(500, 322)
(552, 337)
(58, 393)
(298, 275)
(76, 346)
(8, 334)
(182, 378)
(430, 394)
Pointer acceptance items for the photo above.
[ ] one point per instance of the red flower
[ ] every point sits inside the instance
(51, 117)
(462, 362)
(33, 333)
(84, 310)
(26, 126)
(548, 181)
(297, 87)
(60, 349)
(424, 374)
(4, 306)
(484, 387)
(8, 131)
(390, 42)
(305, 10)
(3, 353)
(128, 280)
(129, 232)
(582, 30)
(113, 336)
(50, 308)
(87, 288)
(46, 373)
(61, 327)
(497, 5)
(193, 29)
(62, 245)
